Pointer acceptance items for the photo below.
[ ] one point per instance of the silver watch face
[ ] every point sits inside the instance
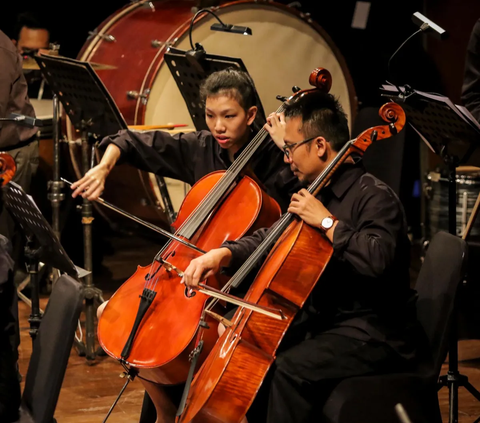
(327, 222)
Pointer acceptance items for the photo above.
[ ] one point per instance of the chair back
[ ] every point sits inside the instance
(51, 350)
(442, 272)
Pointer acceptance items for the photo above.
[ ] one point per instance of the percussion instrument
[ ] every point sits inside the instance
(436, 191)
(284, 47)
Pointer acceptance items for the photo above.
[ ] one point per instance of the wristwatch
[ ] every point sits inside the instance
(327, 223)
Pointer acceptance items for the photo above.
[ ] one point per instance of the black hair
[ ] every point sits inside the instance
(29, 20)
(322, 115)
(231, 82)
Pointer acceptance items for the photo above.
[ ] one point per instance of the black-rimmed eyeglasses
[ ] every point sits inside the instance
(288, 147)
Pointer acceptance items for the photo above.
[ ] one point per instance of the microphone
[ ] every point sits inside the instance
(23, 120)
(428, 25)
(235, 29)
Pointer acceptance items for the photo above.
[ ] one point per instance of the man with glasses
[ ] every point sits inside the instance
(360, 317)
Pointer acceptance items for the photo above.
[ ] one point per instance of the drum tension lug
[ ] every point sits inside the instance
(135, 95)
(106, 37)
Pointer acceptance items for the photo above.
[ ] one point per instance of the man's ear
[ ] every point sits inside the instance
(14, 42)
(321, 147)
(251, 113)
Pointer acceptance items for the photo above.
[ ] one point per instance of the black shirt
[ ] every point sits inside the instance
(190, 156)
(365, 290)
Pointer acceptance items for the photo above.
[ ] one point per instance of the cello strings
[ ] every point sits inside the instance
(232, 172)
(207, 204)
(225, 182)
(281, 226)
(205, 207)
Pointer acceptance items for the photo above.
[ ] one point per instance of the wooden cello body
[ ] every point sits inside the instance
(227, 383)
(166, 335)
(156, 333)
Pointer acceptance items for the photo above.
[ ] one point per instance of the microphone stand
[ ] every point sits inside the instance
(56, 185)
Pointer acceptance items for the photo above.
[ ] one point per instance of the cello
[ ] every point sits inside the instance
(8, 168)
(229, 379)
(147, 335)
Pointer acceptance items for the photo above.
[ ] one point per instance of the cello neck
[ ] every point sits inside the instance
(224, 184)
(284, 222)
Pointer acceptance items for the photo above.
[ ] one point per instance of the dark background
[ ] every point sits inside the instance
(425, 63)
(437, 67)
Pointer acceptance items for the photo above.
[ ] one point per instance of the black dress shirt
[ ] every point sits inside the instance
(190, 156)
(364, 292)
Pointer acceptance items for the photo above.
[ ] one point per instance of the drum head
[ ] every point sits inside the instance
(281, 54)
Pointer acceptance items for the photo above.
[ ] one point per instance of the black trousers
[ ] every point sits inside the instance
(303, 376)
(9, 383)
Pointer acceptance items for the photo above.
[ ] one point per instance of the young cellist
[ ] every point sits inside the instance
(230, 110)
(359, 319)
(230, 113)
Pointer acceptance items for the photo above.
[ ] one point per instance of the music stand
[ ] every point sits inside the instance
(42, 245)
(189, 72)
(93, 112)
(451, 132)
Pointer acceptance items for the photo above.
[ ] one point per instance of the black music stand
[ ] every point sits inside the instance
(452, 133)
(42, 245)
(189, 71)
(93, 112)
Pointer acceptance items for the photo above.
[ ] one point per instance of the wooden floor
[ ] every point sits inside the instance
(89, 388)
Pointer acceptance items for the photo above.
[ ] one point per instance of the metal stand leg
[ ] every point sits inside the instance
(453, 379)
(35, 318)
(91, 293)
(55, 186)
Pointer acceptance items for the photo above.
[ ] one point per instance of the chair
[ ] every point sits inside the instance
(371, 399)
(51, 350)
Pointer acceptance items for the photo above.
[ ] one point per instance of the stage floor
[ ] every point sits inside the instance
(90, 388)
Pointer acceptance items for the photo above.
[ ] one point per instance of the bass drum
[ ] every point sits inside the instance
(284, 48)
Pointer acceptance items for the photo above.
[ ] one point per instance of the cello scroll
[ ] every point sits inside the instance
(7, 168)
(389, 112)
